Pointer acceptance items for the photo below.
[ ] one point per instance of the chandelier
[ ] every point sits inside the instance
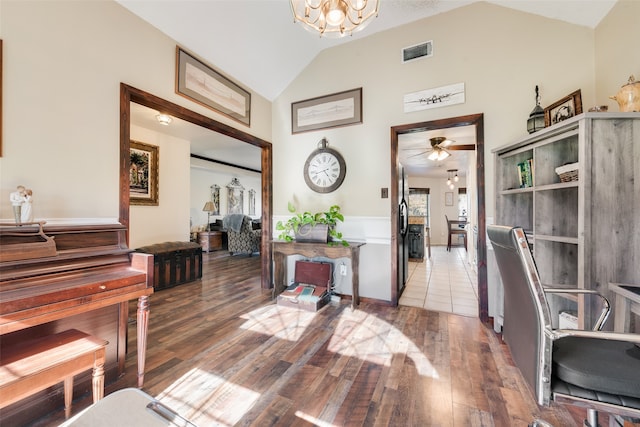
(452, 176)
(334, 18)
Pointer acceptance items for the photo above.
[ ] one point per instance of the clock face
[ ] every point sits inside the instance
(324, 170)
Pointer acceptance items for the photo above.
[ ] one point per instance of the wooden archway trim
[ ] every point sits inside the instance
(476, 120)
(130, 94)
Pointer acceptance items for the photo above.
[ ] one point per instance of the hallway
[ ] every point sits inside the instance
(446, 283)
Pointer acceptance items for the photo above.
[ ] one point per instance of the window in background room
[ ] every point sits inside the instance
(462, 203)
(419, 203)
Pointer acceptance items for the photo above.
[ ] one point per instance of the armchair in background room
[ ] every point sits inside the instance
(596, 370)
(242, 238)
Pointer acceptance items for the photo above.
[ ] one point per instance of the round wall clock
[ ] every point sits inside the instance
(325, 169)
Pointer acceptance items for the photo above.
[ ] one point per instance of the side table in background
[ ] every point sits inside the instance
(210, 240)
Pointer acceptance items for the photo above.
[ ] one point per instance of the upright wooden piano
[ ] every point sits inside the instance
(85, 282)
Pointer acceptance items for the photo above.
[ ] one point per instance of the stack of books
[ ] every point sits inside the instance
(306, 296)
(525, 173)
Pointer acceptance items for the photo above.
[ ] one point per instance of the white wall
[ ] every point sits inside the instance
(165, 222)
(617, 51)
(500, 54)
(63, 65)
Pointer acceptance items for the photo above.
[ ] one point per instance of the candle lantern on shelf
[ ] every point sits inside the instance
(535, 122)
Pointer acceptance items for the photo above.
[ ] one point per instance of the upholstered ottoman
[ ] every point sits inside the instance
(174, 263)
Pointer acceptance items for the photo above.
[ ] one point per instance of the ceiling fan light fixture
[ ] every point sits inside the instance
(433, 156)
(334, 18)
(443, 155)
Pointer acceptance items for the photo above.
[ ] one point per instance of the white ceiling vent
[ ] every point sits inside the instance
(417, 51)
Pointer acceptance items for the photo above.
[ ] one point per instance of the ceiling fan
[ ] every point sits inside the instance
(440, 146)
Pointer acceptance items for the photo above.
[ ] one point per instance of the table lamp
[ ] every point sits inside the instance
(208, 208)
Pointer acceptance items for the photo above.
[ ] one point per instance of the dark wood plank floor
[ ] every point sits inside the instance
(221, 353)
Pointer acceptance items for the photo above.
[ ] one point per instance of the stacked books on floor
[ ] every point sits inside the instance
(305, 296)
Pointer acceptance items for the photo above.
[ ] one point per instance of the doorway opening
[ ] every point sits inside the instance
(477, 121)
(129, 94)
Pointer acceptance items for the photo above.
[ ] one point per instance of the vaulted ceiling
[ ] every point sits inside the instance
(257, 43)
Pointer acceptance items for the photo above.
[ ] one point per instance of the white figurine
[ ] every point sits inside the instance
(27, 211)
(17, 198)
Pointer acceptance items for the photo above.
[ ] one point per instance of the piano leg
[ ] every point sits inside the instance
(143, 324)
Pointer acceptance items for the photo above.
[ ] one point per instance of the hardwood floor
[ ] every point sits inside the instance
(221, 353)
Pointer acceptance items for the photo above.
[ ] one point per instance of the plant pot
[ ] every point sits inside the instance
(308, 233)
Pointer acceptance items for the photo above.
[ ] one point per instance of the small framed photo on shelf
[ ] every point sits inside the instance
(567, 107)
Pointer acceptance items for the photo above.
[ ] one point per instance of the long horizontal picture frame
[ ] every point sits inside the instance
(202, 84)
(329, 111)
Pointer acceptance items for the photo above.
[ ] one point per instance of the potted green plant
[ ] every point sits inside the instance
(312, 227)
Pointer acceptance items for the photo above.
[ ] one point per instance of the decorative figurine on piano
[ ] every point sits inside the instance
(21, 200)
(17, 198)
(26, 214)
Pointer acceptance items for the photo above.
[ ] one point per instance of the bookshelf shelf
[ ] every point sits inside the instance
(581, 231)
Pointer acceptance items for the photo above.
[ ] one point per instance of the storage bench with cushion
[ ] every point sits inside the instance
(174, 263)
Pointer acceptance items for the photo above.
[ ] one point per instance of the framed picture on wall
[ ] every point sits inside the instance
(215, 198)
(200, 83)
(448, 198)
(143, 174)
(252, 202)
(329, 111)
(235, 197)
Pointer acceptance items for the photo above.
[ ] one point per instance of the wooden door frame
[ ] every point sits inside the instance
(129, 94)
(476, 120)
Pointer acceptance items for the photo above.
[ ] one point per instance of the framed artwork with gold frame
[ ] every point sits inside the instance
(143, 174)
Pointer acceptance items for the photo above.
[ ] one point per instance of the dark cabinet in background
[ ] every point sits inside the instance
(416, 241)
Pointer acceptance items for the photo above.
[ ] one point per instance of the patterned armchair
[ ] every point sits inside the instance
(242, 238)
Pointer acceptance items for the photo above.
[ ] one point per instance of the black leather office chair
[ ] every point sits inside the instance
(596, 370)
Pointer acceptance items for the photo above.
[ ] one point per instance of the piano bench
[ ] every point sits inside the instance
(33, 365)
(174, 263)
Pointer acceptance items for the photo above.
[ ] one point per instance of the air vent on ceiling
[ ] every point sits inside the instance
(422, 50)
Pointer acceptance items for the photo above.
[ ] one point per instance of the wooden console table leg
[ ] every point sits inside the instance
(355, 278)
(143, 325)
(279, 280)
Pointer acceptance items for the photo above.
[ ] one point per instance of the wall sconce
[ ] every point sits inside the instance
(164, 119)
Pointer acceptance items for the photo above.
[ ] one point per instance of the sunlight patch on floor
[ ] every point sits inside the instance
(202, 396)
(367, 337)
(281, 322)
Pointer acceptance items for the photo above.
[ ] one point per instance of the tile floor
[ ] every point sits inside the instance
(446, 282)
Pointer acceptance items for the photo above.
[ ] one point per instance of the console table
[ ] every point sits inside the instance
(282, 249)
